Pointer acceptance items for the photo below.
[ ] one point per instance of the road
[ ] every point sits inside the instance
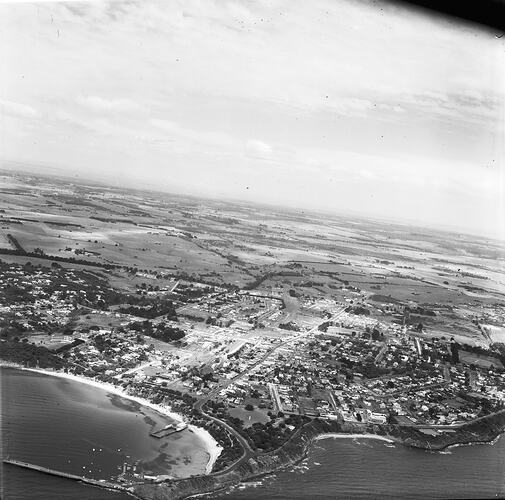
(286, 341)
(140, 367)
(248, 451)
(225, 383)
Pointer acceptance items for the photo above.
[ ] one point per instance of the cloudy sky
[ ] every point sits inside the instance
(339, 105)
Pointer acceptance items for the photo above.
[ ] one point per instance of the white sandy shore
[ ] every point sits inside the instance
(335, 435)
(213, 448)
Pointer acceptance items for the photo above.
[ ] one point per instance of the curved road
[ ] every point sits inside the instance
(248, 451)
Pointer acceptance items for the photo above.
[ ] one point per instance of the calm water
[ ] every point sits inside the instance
(80, 429)
(23, 484)
(50, 421)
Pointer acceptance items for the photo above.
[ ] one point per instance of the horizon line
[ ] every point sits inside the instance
(71, 178)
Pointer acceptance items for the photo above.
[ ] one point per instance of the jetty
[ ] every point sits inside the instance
(102, 483)
(168, 429)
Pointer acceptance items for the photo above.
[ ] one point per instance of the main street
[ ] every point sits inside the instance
(248, 451)
(286, 341)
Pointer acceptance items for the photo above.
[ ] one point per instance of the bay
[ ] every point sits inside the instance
(76, 428)
(49, 421)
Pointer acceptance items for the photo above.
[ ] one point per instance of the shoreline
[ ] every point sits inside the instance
(477, 442)
(305, 454)
(211, 446)
(338, 435)
(290, 454)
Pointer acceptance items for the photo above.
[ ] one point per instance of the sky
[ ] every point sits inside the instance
(360, 107)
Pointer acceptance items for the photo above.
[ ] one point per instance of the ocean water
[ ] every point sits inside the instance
(23, 484)
(50, 421)
(80, 429)
(365, 468)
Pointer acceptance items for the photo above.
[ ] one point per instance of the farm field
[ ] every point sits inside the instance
(165, 238)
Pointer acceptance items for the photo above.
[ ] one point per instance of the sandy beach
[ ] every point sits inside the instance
(213, 449)
(335, 435)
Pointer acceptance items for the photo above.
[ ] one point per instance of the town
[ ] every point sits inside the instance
(259, 326)
(260, 363)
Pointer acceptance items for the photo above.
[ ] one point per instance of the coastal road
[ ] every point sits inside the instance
(248, 451)
(454, 426)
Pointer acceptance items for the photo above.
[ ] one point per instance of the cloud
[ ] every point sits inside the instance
(18, 110)
(338, 91)
(201, 139)
(258, 149)
(115, 105)
(165, 125)
(352, 106)
(96, 125)
(468, 105)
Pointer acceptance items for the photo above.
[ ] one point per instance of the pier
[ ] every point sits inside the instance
(168, 430)
(101, 483)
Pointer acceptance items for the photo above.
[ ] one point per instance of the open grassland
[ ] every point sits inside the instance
(167, 237)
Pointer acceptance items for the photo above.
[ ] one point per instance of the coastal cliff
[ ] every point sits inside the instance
(481, 431)
(291, 453)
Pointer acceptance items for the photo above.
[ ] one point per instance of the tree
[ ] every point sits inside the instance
(249, 407)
